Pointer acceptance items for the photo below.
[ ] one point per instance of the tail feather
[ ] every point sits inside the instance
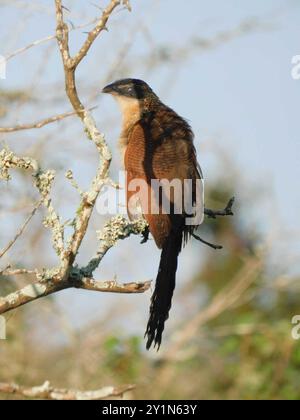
(161, 299)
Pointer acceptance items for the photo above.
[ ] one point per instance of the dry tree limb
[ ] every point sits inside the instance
(4, 270)
(38, 124)
(115, 229)
(43, 40)
(70, 64)
(112, 286)
(21, 230)
(67, 275)
(41, 289)
(227, 211)
(47, 392)
(92, 35)
(211, 245)
(43, 181)
(51, 281)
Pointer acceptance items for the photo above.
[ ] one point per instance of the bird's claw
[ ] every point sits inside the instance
(145, 235)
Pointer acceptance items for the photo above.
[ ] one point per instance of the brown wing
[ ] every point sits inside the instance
(159, 147)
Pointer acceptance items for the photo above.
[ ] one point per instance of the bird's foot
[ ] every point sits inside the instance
(145, 235)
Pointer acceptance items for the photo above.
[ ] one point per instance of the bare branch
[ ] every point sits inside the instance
(211, 245)
(8, 160)
(92, 35)
(38, 124)
(70, 176)
(89, 198)
(52, 285)
(117, 228)
(67, 275)
(112, 286)
(47, 392)
(227, 211)
(43, 40)
(43, 181)
(81, 278)
(21, 230)
(3, 270)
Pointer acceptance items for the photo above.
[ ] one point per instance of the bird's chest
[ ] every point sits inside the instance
(149, 153)
(135, 155)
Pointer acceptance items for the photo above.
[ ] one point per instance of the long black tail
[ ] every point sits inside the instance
(161, 299)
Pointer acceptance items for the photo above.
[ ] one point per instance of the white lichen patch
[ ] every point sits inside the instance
(95, 395)
(6, 157)
(94, 134)
(69, 174)
(47, 274)
(119, 228)
(44, 181)
(9, 160)
(11, 299)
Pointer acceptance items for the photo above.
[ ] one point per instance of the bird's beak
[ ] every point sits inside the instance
(110, 89)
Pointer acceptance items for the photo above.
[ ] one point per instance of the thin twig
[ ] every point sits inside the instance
(206, 243)
(39, 124)
(21, 230)
(67, 276)
(43, 181)
(81, 278)
(112, 286)
(92, 35)
(43, 40)
(70, 64)
(227, 211)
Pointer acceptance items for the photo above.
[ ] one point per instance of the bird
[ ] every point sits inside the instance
(158, 145)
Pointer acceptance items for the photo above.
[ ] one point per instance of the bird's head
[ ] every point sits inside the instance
(129, 88)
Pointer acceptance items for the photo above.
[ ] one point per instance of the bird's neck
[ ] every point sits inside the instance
(132, 111)
(131, 114)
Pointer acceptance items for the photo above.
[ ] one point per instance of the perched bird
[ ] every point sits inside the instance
(158, 145)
